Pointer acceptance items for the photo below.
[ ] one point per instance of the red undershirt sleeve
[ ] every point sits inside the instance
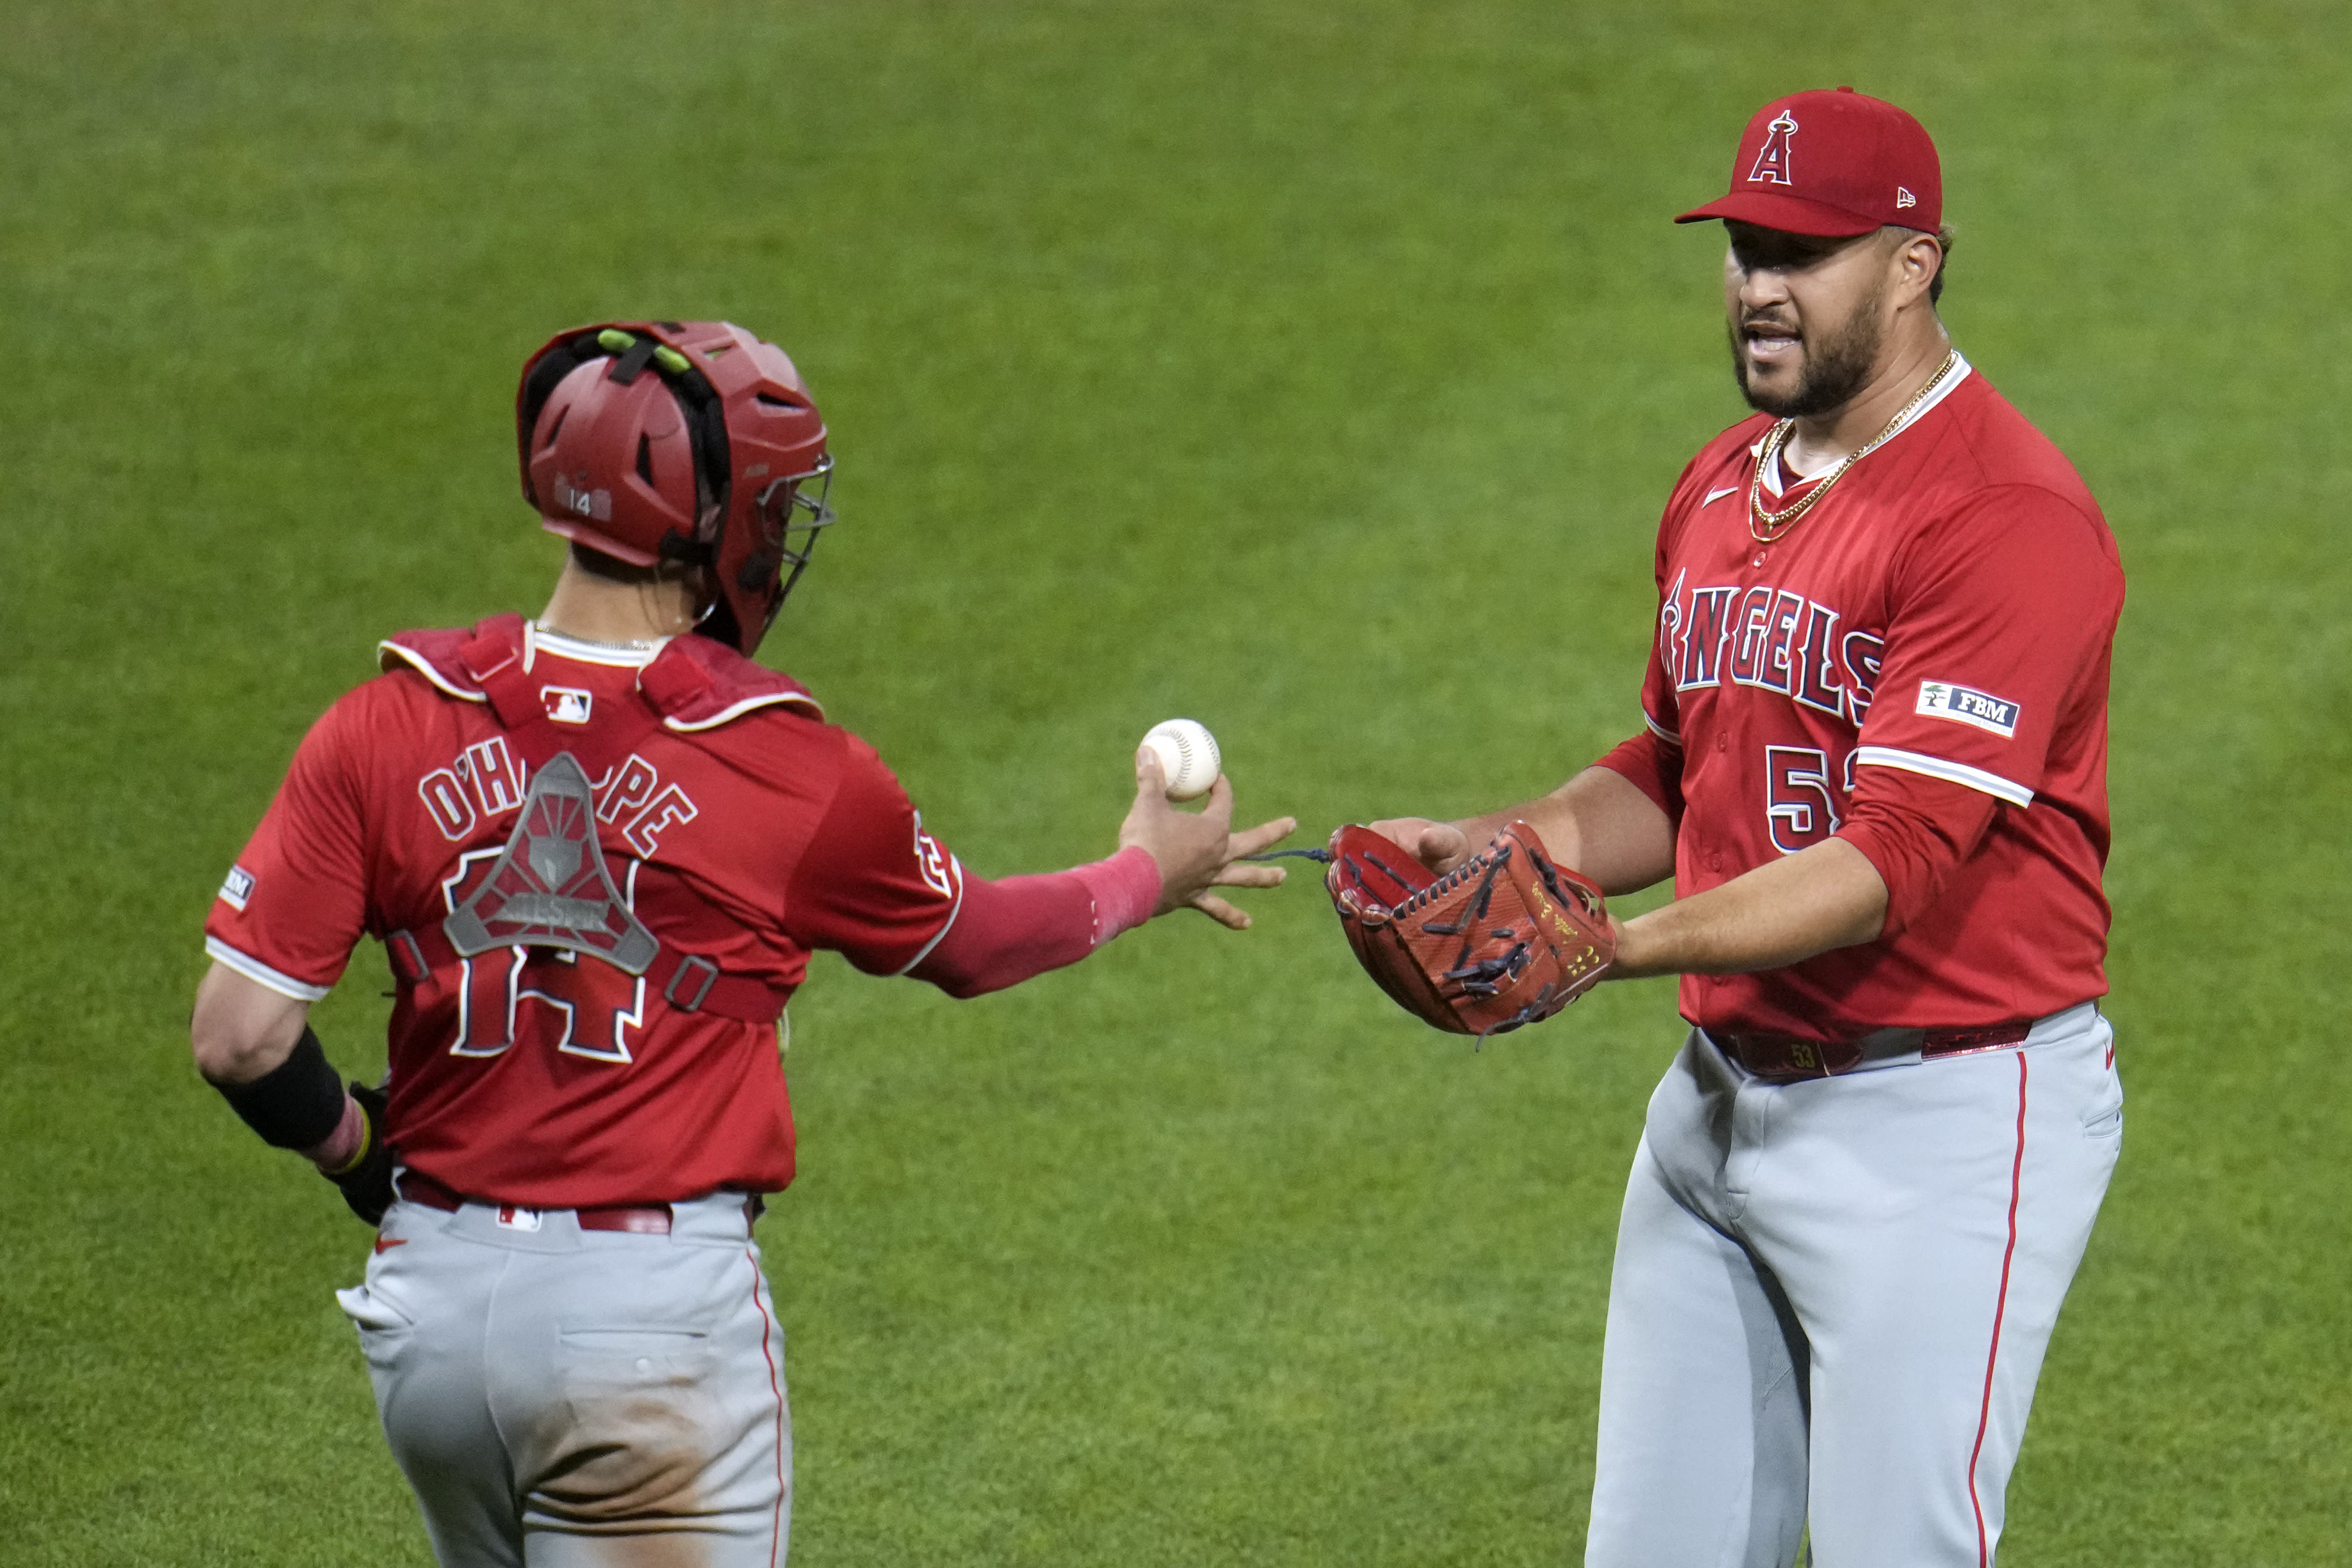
(1914, 830)
(1009, 931)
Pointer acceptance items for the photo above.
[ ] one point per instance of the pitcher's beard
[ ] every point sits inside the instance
(1836, 368)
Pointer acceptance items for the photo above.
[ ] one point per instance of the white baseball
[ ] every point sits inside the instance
(1188, 757)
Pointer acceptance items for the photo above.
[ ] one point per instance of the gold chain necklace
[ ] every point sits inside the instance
(1766, 526)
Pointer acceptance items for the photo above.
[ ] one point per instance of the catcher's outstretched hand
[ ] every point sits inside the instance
(1440, 846)
(1197, 851)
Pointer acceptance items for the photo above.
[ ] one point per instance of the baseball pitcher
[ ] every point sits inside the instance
(1874, 763)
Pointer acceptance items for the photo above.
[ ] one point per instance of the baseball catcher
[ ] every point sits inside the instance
(599, 847)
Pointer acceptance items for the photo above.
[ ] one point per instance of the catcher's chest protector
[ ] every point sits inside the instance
(551, 886)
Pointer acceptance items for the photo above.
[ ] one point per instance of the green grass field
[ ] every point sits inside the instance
(1239, 360)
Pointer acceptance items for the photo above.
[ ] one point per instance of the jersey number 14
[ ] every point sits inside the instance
(582, 1008)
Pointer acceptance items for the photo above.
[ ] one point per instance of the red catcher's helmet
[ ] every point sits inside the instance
(715, 458)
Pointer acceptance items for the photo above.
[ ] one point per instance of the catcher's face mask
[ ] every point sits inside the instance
(775, 544)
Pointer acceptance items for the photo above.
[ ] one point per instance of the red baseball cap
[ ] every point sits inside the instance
(1833, 165)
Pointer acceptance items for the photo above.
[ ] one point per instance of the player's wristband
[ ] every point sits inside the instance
(298, 1104)
(346, 1148)
(1125, 889)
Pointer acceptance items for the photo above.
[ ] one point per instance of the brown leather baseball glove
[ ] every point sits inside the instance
(1507, 938)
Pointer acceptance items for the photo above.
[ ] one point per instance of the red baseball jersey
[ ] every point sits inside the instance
(743, 827)
(1945, 612)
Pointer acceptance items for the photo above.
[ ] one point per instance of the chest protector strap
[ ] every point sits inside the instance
(551, 887)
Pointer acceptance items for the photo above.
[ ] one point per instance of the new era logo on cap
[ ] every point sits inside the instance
(1832, 165)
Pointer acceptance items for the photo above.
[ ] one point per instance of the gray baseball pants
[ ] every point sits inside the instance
(1831, 1301)
(562, 1399)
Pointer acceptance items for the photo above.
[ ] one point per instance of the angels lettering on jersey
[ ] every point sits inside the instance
(1774, 638)
(1770, 638)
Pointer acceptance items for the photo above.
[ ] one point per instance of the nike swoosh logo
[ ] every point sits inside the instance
(387, 1243)
(1714, 496)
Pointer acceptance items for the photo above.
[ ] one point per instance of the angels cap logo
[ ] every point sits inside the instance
(1772, 163)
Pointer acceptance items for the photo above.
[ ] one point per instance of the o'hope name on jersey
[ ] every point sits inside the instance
(486, 780)
(592, 1014)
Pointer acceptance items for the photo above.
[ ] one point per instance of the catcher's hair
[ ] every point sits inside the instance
(596, 563)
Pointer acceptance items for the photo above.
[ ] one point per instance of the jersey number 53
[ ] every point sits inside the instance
(1800, 804)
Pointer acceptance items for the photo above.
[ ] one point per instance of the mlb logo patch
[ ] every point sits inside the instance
(1962, 704)
(513, 1218)
(567, 704)
(237, 888)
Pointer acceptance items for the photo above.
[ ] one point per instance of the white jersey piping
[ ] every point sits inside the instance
(940, 935)
(1991, 784)
(569, 648)
(424, 666)
(262, 974)
(535, 637)
(734, 710)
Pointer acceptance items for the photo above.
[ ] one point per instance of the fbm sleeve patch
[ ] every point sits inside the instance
(237, 888)
(1997, 716)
